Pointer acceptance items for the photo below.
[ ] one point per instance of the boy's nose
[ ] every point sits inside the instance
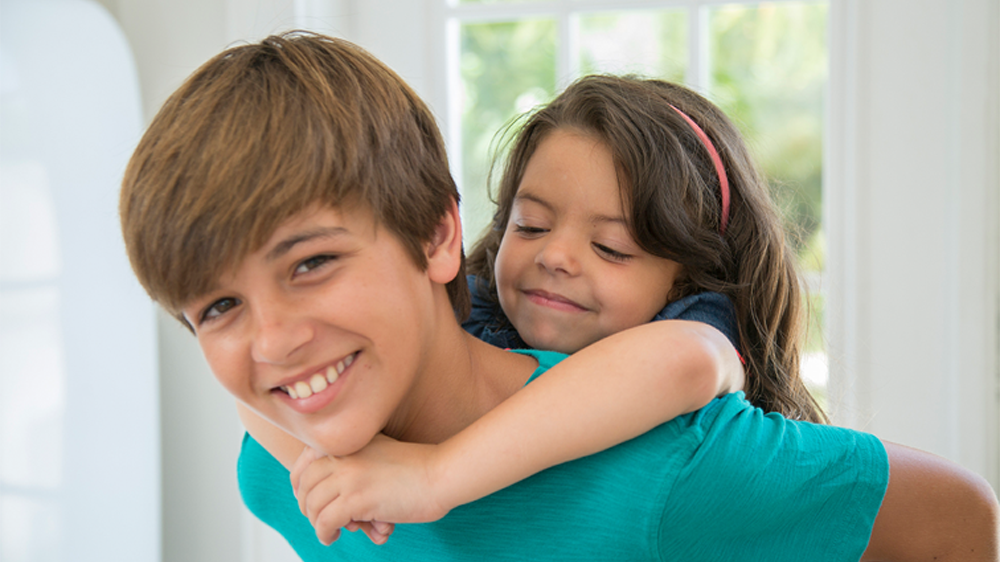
(278, 334)
(558, 256)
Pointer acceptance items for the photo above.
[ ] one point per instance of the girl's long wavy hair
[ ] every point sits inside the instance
(670, 191)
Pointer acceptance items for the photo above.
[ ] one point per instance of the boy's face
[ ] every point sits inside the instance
(319, 330)
(568, 271)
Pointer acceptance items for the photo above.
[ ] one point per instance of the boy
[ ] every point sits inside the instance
(291, 204)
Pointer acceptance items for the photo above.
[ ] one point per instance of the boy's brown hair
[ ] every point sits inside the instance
(264, 131)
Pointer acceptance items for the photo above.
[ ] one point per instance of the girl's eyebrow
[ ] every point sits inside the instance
(522, 196)
(594, 219)
(283, 247)
(598, 219)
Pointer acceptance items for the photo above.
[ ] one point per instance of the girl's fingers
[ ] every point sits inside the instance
(306, 458)
(369, 528)
(312, 493)
(330, 538)
(373, 534)
(318, 499)
(383, 528)
(329, 521)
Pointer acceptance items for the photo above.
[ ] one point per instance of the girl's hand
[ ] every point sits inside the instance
(387, 481)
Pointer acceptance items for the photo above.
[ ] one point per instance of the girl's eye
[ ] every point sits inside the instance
(218, 308)
(313, 263)
(526, 230)
(611, 254)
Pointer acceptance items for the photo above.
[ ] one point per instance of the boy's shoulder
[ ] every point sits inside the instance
(546, 360)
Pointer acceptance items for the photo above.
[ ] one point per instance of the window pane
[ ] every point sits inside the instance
(768, 73)
(507, 68)
(649, 42)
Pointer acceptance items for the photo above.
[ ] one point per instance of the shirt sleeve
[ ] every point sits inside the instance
(760, 487)
(714, 309)
(483, 321)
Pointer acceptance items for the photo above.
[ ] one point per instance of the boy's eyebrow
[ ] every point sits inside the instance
(595, 219)
(282, 248)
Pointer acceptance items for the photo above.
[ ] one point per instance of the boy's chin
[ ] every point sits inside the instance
(340, 445)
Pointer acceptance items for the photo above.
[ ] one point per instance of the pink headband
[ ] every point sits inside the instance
(719, 169)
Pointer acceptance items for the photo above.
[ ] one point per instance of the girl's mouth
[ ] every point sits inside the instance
(554, 301)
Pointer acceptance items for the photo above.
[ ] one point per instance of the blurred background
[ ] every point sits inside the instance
(877, 123)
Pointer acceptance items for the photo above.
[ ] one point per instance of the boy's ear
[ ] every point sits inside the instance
(444, 251)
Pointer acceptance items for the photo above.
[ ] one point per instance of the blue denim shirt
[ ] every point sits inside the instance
(714, 309)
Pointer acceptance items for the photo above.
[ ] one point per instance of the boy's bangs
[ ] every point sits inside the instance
(250, 163)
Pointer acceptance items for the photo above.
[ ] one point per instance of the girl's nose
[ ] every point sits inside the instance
(279, 332)
(558, 256)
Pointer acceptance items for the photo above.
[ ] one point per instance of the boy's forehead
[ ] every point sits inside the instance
(348, 223)
(318, 221)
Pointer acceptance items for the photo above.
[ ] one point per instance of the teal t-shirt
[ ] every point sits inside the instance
(727, 482)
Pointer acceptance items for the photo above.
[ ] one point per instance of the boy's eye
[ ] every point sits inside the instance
(312, 263)
(218, 308)
(526, 230)
(611, 254)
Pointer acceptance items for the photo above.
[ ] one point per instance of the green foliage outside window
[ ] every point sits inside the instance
(769, 71)
(507, 68)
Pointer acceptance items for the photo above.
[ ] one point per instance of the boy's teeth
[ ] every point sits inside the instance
(317, 383)
(303, 389)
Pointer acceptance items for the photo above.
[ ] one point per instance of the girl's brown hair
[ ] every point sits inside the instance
(265, 131)
(670, 190)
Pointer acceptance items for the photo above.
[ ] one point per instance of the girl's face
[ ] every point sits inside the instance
(568, 271)
(321, 331)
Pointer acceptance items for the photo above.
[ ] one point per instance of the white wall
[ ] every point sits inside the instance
(79, 419)
(914, 200)
(914, 224)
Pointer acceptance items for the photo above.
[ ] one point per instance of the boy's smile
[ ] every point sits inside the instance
(568, 271)
(321, 331)
(308, 394)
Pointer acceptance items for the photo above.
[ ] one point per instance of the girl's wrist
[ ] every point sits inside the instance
(444, 485)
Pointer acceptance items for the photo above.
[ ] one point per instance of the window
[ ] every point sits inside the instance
(765, 64)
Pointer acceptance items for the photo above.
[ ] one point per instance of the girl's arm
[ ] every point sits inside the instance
(610, 392)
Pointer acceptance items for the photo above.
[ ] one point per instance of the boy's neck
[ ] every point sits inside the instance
(462, 379)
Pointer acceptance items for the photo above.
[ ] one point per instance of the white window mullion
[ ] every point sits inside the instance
(696, 49)
(840, 208)
(453, 109)
(568, 61)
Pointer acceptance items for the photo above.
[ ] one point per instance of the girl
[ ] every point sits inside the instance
(620, 196)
